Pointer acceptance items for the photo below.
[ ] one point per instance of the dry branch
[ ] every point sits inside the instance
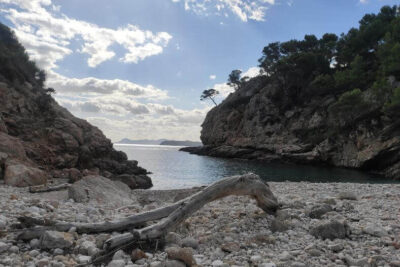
(46, 188)
(248, 184)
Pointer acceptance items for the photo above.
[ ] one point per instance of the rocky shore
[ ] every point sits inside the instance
(319, 224)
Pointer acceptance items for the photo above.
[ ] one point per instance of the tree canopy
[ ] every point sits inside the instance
(362, 58)
(210, 94)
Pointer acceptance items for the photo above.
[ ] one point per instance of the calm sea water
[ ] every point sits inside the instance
(172, 168)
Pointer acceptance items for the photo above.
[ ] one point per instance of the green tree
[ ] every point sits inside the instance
(210, 94)
(234, 79)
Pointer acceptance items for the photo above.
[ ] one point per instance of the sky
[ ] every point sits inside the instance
(136, 68)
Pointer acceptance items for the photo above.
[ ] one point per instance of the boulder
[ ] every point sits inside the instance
(101, 190)
(182, 254)
(20, 175)
(54, 239)
(316, 212)
(135, 181)
(331, 229)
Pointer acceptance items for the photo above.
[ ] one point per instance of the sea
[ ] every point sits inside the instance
(172, 169)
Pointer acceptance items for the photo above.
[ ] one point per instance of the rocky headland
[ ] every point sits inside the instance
(40, 140)
(331, 100)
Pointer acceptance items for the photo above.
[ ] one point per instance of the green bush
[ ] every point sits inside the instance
(392, 107)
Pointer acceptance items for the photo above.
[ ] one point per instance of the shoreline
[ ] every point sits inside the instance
(232, 231)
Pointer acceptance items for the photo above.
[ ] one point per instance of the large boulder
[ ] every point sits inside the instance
(135, 181)
(101, 190)
(54, 239)
(331, 229)
(20, 175)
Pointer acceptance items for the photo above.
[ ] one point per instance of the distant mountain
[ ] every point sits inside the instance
(140, 142)
(180, 143)
(163, 142)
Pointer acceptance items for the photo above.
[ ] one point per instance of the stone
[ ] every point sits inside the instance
(138, 254)
(3, 247)
(43, 263)
(116, 263)
(217, 263)
(190, 242)
(374, 230)
(394, 264)
(54, 239)
(13, 249)
(174, 263)
(336, 247)
(347, 195)
(120, 255)
(331, 229)
(156, 264)
(279, 225)
(20, 175)
(316, 212)
(182, 254)
(267, 264)
(3, 222)
(58, 251)
(230, 247)
(173, 238)
(100, 190)
(88, 248)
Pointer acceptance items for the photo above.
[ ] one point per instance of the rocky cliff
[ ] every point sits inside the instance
(40, 139)
(254, 123)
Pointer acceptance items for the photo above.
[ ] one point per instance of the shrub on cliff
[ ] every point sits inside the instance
(15, 65)
(332, 64)
(392, 107)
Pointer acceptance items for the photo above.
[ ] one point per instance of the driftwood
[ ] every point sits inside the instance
(249, 184)
(46, 188)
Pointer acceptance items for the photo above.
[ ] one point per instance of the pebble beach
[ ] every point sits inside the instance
(318, 224)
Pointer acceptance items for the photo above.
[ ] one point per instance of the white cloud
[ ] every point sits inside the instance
(35, 20)
(244, 9)
(213, 77)
(120, 108)
(363, 1)
(251, 72)
(95, 86)
(225, 89)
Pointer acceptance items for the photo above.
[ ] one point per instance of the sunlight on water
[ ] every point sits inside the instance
(172, 168)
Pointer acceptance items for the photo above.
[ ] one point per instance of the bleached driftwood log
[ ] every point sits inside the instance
(248, 184)
(46, 188)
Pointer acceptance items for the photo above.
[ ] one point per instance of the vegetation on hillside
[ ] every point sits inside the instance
(361, 67)
(16, 68)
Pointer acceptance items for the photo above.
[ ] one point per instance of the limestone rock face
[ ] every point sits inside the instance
(20, 175)
(49, 137)
(101, 190)
(257, 122)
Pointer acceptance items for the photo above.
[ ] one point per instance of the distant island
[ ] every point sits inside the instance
(180, 143)
(163, 142)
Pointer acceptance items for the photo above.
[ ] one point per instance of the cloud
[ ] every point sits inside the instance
(95, 86)
(213, 77)
(35, 21)
(244, 9)
(363, 1)
(225, 89)
(121, 117)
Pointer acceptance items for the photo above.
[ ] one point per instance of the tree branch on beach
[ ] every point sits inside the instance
(172, 215)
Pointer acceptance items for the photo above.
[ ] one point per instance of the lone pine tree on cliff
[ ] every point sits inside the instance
(209, 93)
